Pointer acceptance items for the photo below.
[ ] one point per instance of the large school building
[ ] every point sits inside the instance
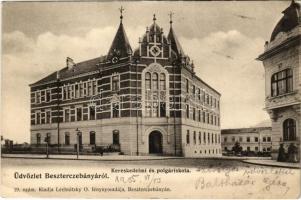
(143, 101)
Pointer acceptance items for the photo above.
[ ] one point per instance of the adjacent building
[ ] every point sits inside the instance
(257, 139)
(281, 60)
(144, 101)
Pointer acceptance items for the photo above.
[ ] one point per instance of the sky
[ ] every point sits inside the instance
(222, 38)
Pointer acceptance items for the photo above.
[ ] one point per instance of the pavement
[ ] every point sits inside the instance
(273, 163)
(111, 157)
(264, 161)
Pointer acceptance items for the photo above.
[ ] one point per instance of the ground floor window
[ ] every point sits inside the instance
(92, 137)
(67, 138)
(187, 137)
(38, 138)
(116, 137)
(289, 130)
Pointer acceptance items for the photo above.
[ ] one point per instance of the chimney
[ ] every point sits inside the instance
(69, 63)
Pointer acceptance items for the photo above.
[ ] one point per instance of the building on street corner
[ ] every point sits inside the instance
(281, 60)
(143, 101)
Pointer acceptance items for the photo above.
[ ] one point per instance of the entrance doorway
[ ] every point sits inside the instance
(155, 142)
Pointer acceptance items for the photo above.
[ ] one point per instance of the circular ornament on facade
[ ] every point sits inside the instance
(115, 59)
(155, 50)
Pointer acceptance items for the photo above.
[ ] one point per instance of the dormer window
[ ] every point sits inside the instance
(282, 82)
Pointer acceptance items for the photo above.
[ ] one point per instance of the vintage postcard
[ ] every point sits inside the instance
(151, 99)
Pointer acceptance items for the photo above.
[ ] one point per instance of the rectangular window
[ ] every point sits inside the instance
(148, 111)
(187, 137)
(115, 110)
(256, 139)
(38, 117)
(193, 89)
(73, 91)
(79, 114)
(116, 137)
(269, 139)
(233, 139)
(248, 139)
(199, 115)
(67, 138)
(264, 139)
(76, 91)
(38, 96)
(43, 96)
(248, 148)
(208, 135)
(193, 113)
(162, 109)
(187, 85)
(92, 138)
(64, 92)
(225, 139)
(92, 112)
(70, 91)
(204, 117)
(48, 117)
(282, 82)
(67, 115)
(194, 137)
(256, 148)
(90, 89)
(155, 111)
(200, 137)
(85, 89)
(95, 87)
(187, 111)
(240, 139)
(48, 95)
(204, 137)
(207, 118)
(38, 138)
(81, 90)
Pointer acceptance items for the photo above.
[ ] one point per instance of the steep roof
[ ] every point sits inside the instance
(120, 45)
(290, 19)
(175, 44)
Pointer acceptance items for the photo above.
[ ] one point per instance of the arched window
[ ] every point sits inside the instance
(289, 130)
(155, 92)
(155, 81)
(282, 82)
(162, 82)
(147, 81)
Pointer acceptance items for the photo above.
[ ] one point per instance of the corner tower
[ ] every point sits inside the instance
(281, 60)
